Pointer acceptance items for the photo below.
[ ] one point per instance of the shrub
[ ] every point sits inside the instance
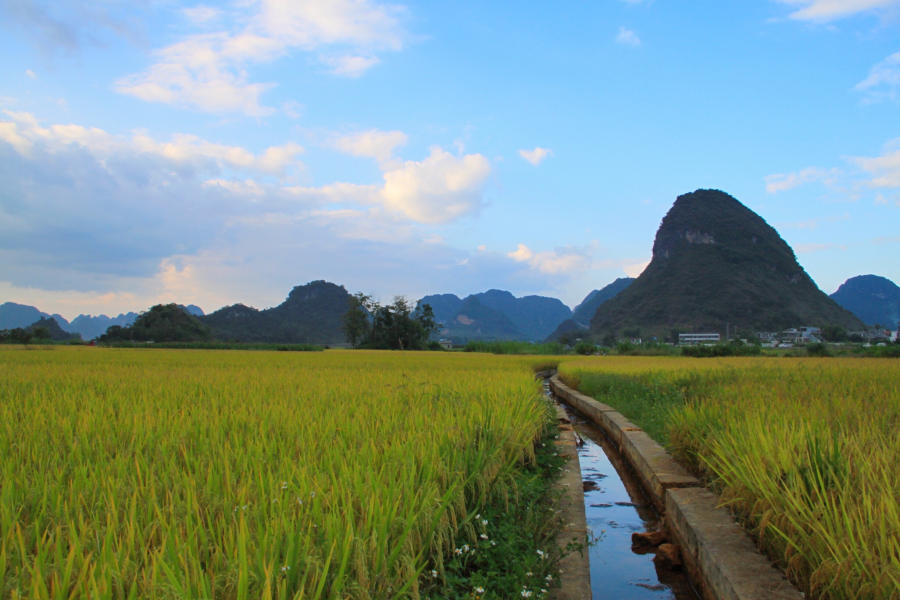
(818, 349)
(585, 348)
(718, 350)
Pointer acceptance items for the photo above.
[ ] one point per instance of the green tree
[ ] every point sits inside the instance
(395, 326)
(18, 336)
(427, 321)
(834, 333)
(162, 323)
(41, 333)
(357, 324)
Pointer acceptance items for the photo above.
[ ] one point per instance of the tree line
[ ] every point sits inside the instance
(395, 326)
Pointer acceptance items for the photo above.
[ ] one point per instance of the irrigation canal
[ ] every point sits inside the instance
(616, 508)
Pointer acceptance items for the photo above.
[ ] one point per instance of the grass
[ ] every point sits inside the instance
(217, 346)
(803, 452)
(352, 474)
(512, 347)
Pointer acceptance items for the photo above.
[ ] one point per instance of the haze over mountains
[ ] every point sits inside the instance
(716, 265)
(496, 314)
(14, 315)
(581, 316)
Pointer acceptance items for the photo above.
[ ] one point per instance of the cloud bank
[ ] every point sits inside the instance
(209, 70)
(91, 219)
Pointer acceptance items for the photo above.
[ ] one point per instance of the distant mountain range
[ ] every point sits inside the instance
(714, 261)
(14, 315)
(496, 315)
(312, 314)
(585, 311)
(51, 325)
(874, 299)
(717, 264)
(581, 316)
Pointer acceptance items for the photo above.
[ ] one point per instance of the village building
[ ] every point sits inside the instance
(692, 339)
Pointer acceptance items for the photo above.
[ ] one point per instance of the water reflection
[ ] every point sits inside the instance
(616, 507)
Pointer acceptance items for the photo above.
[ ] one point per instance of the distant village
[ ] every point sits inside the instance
(797, 337)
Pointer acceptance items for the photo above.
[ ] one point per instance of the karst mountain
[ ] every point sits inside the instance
(718, 266)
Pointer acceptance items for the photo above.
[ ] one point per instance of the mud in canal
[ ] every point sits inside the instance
(616, 507)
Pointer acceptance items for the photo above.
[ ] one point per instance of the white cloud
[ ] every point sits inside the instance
(293, 109)
(536, 156)
(635, 270)
(869, 173)
(782, 182)
(882, 171)
(830, 10)
(375, 144)
(127, 221)
(883, 80)
(559, 261)
(24, 132)
(350, 66)
(627, 37)
(201, 14)
(439, 189)
(209, 70)
(30, 73)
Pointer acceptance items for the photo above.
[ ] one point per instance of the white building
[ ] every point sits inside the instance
(692, 339)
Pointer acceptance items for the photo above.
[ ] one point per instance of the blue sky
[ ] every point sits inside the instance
(159, 151)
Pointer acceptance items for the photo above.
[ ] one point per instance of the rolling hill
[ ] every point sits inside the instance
(312, 313)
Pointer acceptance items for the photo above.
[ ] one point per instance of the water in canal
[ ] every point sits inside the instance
(616, 509)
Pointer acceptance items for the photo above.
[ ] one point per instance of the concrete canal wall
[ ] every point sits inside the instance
(575, 578)
(723, 562)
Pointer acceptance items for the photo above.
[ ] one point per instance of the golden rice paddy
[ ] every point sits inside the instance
(806, 452)
(204, 474)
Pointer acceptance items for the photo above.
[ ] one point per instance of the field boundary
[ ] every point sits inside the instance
(721, 559)
(575, 576)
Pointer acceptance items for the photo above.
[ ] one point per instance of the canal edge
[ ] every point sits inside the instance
(575, 568)
(721, 559)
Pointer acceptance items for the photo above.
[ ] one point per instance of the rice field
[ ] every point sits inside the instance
(805, 452)
(204, 474)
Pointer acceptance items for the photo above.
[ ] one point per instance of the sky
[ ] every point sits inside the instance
(214, 153)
